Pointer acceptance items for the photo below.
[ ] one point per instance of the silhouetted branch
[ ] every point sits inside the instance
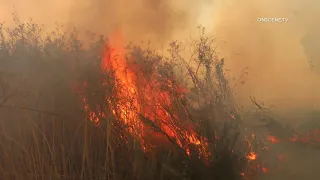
(257, 104)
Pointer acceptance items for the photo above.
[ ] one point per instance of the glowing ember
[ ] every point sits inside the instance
(273, 139)
(265, 170)
(252, 156)
(311, 138)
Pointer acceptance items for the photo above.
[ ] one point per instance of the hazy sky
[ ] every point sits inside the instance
(278, 65)
(277, 60)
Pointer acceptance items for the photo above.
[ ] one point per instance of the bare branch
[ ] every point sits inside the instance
(257, 104)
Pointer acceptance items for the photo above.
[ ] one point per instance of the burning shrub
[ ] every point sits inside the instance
(105, 112)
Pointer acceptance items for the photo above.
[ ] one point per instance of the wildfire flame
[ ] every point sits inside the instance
(140, 99)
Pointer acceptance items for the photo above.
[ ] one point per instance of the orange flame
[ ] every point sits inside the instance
(139, 98)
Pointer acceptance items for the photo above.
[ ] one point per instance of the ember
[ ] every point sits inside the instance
(273, 139)
(252, 156)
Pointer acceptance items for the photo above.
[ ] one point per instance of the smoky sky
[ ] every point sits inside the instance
(139, 20)
(311, 45)
(277, 55)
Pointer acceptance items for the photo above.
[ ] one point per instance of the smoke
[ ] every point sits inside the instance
(154, 20)
(276, 54)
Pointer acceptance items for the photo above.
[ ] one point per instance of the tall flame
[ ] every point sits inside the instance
(140, 98)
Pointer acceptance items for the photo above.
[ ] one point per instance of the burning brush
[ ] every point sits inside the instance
(153, 108)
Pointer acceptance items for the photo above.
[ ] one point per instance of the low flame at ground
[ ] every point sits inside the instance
(273, 139)
(311, 138)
